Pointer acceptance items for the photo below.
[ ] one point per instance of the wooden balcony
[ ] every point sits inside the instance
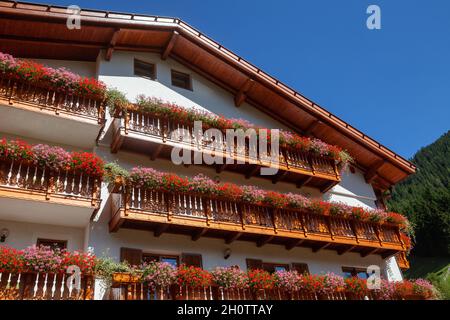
(35, 111)
(43, 286)
(402, 261)
(138, 131)
(199, 216)
(32, 194)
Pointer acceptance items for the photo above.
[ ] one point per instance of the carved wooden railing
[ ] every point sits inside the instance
(44, 286)
(26, 176)
(171, 130)
(143, 291)
(43, 97)
(266, 219)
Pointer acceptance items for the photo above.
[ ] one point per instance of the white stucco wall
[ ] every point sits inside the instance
(83, 68)
(22, 235)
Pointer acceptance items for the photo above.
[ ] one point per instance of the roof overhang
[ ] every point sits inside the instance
(40, 31)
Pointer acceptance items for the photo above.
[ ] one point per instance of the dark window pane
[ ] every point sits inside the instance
(182, 80)
(172, 261)
(144, 69)
(54, 244)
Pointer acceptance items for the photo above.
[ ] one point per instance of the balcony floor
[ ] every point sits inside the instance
(42, 124)
(197, 227)
(21, 210)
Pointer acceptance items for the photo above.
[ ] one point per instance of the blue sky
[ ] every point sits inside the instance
(393, 83)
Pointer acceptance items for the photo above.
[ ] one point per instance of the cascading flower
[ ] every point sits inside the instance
(260, 279)
(333, 283)
(88, 163)
(11, 260)
(193, 277)
(53, 157)
(42, 259)
(253, 194)
(60, 79)
(159, 274)
(16, 150)
(287, 280)
(229, 278)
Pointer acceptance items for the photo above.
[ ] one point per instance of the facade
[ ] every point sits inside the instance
(169, 60)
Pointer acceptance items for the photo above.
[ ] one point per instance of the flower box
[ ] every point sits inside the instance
(124, 277)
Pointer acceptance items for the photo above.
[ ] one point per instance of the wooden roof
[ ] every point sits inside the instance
(39, 31)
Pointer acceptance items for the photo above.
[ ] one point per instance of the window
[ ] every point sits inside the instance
(144, 69)
(355, 272)
(272, 267)
(149, 257)
(54, 244)
(182, 80)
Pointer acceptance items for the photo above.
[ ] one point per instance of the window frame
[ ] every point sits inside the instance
(172, 71)
(354, 271)
(161, 256)
(43, 241)
(152, 77)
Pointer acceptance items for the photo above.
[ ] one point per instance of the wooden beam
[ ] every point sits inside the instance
(197, 235)
(304, 181)
(345, 250)
(155, 153)
(372, 172)
(252, 171)
(369, 252)
(320, 247)
(278, 177)
(160, 230)
(311, 127)
(112, 44)
(241, 95)
(294, 244)
(261, 242)
(233, 237)
(168, 49)
(328, 186)
(221, 167)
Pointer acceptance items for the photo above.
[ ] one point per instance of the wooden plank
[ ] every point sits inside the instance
(198, 234)
(168, 49)
(263, 241)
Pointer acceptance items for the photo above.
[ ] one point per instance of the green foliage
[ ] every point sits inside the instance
(113, 170)
(106, 266)
(425, 199)
(441, 280)
(115, 99)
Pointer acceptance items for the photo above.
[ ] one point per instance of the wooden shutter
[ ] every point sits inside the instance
(254, 264)
(191, 259)
(132, 256)
(301, 268)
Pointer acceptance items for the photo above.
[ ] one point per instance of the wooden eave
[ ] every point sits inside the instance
(45, 35)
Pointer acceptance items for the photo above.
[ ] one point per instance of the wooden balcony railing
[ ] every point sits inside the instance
(199, 212)
(36, 95)
(44, 286)
(33, 182)
(169, 132)
(143, 291)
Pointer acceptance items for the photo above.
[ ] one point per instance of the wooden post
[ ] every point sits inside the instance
(126, 121)
(242, 214)
(169, 206)
(397, 232)
(50, 186)
(378, 234)
(303, 224)
(94, 192)
(126, 199)
(207, 210)
(274, 214)
(101, 112)
(328, 220)
(352, 225)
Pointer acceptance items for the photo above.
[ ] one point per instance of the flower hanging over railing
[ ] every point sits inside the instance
(186, 116)
(51, 157)
(260, 279)
(288, 280)
(193, 277)
(229, 278)
(159, 274)
(60, 80)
